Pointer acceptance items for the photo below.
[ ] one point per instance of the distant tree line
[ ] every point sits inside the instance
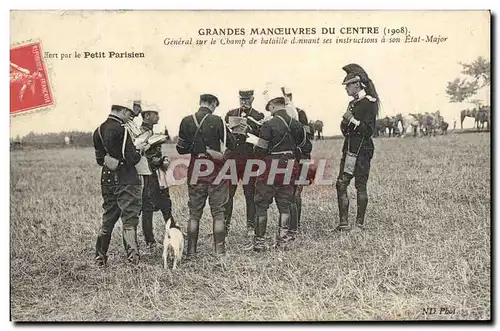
(58, 140)
(53, 140)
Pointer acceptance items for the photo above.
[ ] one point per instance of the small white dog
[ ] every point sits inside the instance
(173, 241)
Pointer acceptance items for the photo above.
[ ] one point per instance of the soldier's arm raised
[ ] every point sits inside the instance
(258, 115)
(265, 133)
(130, 155)
(184, 144)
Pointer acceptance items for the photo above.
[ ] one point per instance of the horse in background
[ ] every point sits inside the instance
(379, 127)
(482, 116)
(467, 113)
(311, 127)
(430, 122)
(318, 127)
(408, 121)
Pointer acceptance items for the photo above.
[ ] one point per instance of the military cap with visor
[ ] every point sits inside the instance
(209, 98)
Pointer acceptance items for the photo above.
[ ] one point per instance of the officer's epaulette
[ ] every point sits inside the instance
(370, 98)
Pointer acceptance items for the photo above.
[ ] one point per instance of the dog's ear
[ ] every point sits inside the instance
(167, 226)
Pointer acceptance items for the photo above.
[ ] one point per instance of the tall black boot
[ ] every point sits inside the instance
(219, 231)
(285, 236)
(343, 203)
(249, 192)
(228, 207)
(101, 248)
(299, 209)
(294, 217)
(147, 227)
(259, 243)
(362, 198)
(193, 229)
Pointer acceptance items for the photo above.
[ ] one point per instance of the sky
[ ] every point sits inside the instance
(409, 77)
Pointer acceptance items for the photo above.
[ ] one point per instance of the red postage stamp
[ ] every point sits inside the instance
(29, 85)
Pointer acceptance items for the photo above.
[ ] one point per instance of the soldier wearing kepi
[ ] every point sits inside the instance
(121, 185)
(357, 126)
(201, 135)
(242, 152)
(283, 135)
(296, 207)
(154, 198)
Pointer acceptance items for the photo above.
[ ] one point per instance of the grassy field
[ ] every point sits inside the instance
(427, 246)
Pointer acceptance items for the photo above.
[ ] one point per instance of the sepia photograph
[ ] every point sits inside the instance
(250, 165)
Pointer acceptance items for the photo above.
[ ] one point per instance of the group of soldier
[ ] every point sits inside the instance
(283, 138)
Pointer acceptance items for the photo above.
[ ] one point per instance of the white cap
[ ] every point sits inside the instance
(150, 107)
(125, 98)
(272, 91)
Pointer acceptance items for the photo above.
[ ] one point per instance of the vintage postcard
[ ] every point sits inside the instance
(250, 165)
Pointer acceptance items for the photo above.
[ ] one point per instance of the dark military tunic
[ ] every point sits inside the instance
(121, 189)
(305, 122)
(242, 147)
(304, 153)
(285, 140)
(240, 154)
(153, 198)
(113, 132)
(359, 138)
(195, 141)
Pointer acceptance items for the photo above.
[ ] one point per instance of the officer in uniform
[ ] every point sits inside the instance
(121, 188)
(242, 152)
(283, 135)
(153, 198)
(201, 135)
(296, 207)
(357, 126)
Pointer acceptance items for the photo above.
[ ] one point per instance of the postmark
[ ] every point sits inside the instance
(29, 84)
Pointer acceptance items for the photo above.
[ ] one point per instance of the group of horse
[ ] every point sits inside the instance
(480, 115)
(427, 124)
(420, 124)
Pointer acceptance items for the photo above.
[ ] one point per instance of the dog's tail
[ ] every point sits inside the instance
(167, 225)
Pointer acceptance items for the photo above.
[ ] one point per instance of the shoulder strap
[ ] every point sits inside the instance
(102, 140)
(198, 125)
(124, 142)
(288, 133)
(287, 124)
(223, 148)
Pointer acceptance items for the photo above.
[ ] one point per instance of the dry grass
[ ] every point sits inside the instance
(428, 245)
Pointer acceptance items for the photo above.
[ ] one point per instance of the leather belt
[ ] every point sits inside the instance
(282, 152)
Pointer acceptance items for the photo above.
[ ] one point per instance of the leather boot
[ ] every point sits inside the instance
(260, 232)
(192, 233)
(129, 238)
(362, 200)
(101, 248)
(249, 192)
(294, 217)
(343, 202)
(147, 227)
(219, 231)
(299, 210)
(228, 208)
(285, 236)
